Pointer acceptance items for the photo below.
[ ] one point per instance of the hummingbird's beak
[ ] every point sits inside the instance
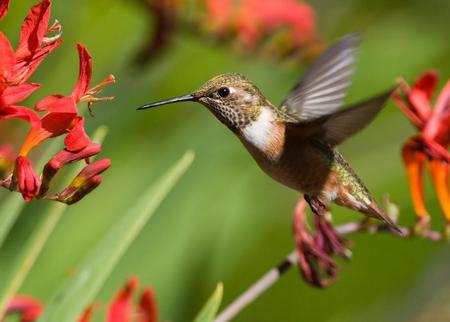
(185, 98)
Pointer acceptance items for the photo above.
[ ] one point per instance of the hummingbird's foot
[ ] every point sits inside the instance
(422, 226)
(314, 250)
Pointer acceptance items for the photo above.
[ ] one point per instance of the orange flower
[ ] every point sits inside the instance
(430, 145)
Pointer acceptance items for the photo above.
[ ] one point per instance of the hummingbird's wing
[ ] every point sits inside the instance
(334, 128)
(323, 88)
(337, 127)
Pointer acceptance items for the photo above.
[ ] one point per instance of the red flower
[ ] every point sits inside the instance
(62, 113)
(86, 181)
(33, 46)
(431, 144)
(251, 21)
(4, 6)
(29, 308)
(121, 307)
(315, 250)
(61, 159)
(61, 117)
(257, 18)
(27, 180)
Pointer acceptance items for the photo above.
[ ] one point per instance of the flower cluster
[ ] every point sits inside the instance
(289, 25)
(315, 251)
(120, 308)
(53, 116)
(429, 146)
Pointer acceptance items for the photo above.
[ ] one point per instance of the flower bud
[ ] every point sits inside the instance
(63, 158)
(86, 181)
(25, 178)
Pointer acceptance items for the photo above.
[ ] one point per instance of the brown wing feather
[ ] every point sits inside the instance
(335, 128)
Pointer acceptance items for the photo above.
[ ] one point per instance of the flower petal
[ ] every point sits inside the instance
(86, 316)
(93, 169)
(414, 161)
(7, 61)
(85, 73)
(316, 266)
(25, 66)
(405, 106)
(440, 174)
(219, 14)
(27, 181)
(20, 112)
(63, 158)
(148, 309)
(57, 103)
(34, 29)
(29, 308)
(15, 94)
(420, 103)
(120, 309)
(427, 83)
(4, 6)
(77, 138)
(438, 126)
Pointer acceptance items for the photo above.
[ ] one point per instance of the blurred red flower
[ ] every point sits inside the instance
(289, 24)
(27, 307)
(431, 144)
(120, 309)
(37, 40)
(252, 20)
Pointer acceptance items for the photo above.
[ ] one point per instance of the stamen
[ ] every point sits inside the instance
(89, 95)
(55, 27)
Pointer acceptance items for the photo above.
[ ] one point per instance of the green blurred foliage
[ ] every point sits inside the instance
(227, 221)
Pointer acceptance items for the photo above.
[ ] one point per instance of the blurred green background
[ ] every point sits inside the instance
(226, 220)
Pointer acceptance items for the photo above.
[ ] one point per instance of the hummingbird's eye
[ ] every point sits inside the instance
(223, 91)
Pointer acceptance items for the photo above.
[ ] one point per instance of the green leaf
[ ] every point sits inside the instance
(9, 212)
(209, 311)
(80, 291)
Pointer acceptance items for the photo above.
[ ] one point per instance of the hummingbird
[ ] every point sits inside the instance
(295, 143)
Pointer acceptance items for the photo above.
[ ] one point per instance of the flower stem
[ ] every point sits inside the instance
(272, 276)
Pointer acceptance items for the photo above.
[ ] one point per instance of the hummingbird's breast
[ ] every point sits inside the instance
(292, 161)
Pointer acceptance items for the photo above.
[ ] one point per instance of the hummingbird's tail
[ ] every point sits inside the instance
(374, 210)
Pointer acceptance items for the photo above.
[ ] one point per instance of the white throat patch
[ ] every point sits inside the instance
(260, 132)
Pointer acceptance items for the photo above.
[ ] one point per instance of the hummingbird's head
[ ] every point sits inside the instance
(231, 97)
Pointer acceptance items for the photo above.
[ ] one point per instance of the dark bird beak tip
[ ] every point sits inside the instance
(185, 98)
